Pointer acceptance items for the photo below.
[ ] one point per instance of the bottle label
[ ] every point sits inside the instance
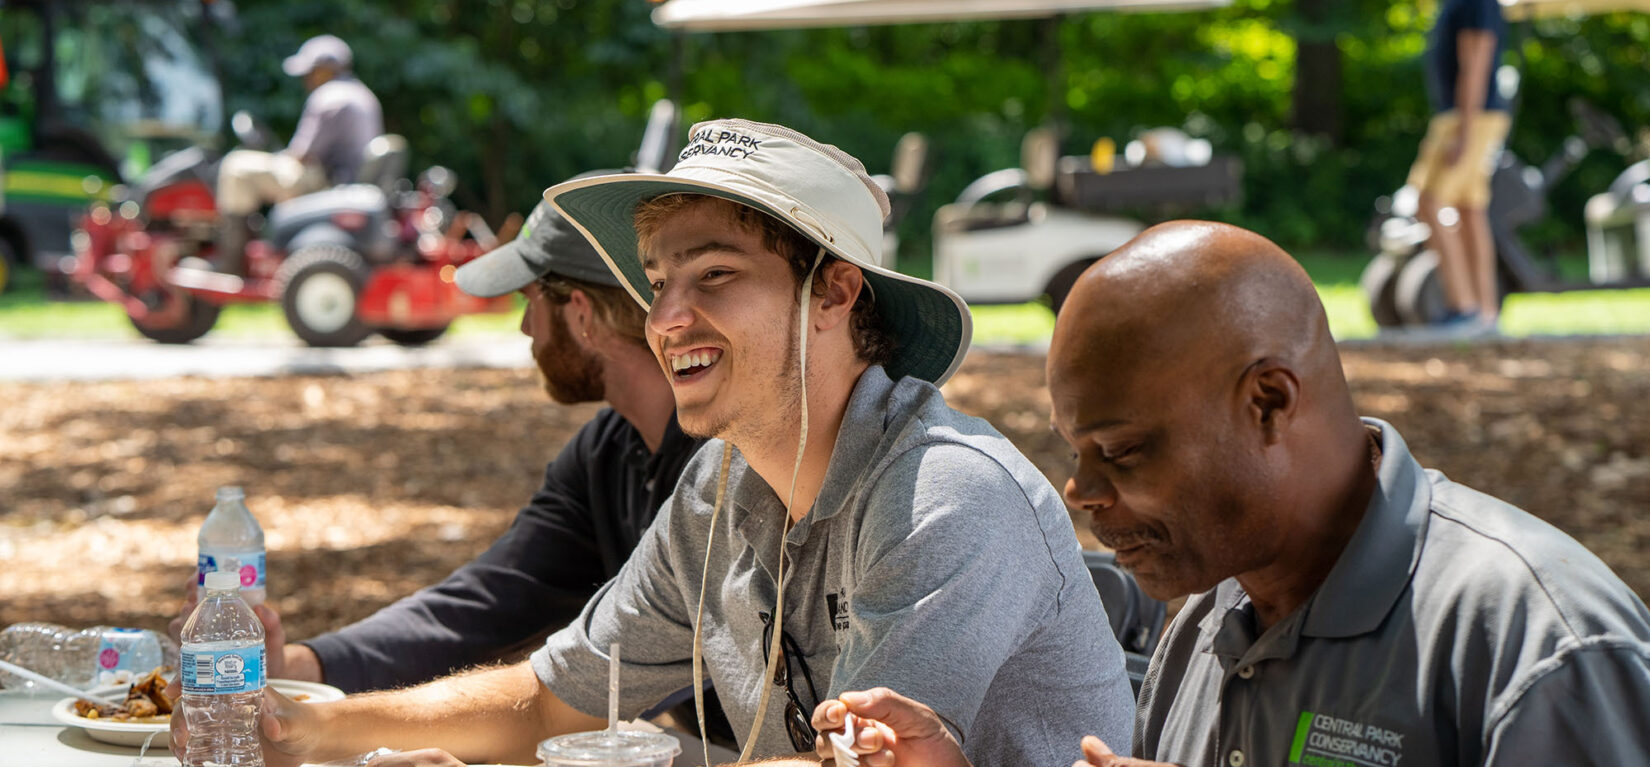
(251, 567)
(116, 652)
(224, 672)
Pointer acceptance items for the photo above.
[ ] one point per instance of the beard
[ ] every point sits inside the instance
(570, 375)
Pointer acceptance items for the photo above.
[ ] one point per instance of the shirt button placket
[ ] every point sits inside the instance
(1247, 672)
(1235, 758)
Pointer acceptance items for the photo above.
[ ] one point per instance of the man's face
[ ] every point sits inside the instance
(570, 374)
(318, 76)
(723, 324)
(1164, 468)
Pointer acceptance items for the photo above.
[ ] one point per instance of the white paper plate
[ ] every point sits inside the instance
(133, 734)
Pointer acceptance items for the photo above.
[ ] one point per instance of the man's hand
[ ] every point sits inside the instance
(1457, 146)
(1097, 754)
(286, 661)
(274, 644)
(191, 597)
(893, 729)
(286, 735)
(280, 661)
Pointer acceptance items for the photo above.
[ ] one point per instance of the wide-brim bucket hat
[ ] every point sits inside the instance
(817, 189)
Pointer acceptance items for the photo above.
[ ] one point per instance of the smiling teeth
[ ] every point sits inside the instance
(693, 360)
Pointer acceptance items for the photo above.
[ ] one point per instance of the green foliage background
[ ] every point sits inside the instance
(517, 94)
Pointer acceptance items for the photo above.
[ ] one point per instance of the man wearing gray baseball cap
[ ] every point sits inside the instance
(843, 529)
(340, 116)
(609, 479)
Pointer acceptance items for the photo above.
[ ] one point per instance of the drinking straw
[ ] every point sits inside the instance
(613, 688)
(47, 681)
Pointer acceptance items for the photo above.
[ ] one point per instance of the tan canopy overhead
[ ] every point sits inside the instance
(1519, 10)
(723, 15)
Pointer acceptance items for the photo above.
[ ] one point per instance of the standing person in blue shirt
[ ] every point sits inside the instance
(340, 116)
(1457, 157)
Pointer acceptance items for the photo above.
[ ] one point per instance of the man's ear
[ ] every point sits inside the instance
(579, 313)
(841, 283)
(1272, 393)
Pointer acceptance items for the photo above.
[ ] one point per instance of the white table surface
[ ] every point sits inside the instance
(30, 737)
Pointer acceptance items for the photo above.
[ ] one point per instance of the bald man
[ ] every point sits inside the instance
(1348, 607)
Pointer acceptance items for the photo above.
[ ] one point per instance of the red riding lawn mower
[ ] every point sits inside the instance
(376, 256)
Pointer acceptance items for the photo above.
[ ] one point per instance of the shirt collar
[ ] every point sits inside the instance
(862, 429)
(1228, 594)
(1381, 556)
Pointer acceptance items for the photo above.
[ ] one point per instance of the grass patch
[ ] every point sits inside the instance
(25, 313)
(1013, 324)
(1609, 312)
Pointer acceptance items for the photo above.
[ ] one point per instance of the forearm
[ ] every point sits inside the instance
(489, 715)
(411, 642)
(1476, 50)
(499, 606)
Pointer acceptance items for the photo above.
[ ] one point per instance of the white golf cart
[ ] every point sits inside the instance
(1016, 234)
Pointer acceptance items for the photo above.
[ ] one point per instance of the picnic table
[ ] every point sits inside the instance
(30, 736)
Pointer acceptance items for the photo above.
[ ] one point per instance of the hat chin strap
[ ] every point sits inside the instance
(699, 617)
(778, 641)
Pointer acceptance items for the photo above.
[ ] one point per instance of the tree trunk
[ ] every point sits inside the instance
(1317, 102)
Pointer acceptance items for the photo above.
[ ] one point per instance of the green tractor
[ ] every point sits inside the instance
(93, 91)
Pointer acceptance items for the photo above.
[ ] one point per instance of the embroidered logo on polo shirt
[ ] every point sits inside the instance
(720, 142)
(1322, 740)
(838, 605)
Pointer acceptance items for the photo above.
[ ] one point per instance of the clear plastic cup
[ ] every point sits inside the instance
(601, 748)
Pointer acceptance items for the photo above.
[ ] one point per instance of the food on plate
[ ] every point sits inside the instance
(146, 702)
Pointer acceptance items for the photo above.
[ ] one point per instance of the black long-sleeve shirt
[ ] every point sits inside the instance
(598, 497)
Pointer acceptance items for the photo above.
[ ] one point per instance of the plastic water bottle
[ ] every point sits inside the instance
(231, 539)
(223, 677)
(84, 658)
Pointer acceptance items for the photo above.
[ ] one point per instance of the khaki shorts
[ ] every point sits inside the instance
(1466, 183)
(249, 179)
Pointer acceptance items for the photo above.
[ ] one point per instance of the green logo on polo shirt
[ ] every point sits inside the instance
(1322, 740)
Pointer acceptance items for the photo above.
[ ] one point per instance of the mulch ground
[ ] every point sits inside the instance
(371, 486)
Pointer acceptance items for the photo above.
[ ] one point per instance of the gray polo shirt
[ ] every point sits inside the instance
(936, 561)
(1455, 629)
(340, 117)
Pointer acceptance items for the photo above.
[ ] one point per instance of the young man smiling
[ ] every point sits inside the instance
(916, 547)
(931, 555)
